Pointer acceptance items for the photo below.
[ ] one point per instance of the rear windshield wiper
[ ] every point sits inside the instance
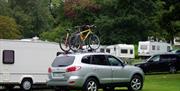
(62, 65)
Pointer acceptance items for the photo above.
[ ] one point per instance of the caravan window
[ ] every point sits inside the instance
(153, 47)
(168, 48)
(108, 50)
(102, 50)
(131, 51)
(8, 57)
(143, 47)
(158, 47)
(124, 51)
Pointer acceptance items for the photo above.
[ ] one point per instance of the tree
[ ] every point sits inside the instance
(33, 16)
(5, 10)
(8, 28)
(170, 19)
(126, 21)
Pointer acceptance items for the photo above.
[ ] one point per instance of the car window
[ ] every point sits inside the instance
(168, 57)
(114, 61)
(155, 58)
(99, 60)
(86, 59)
(63, 61)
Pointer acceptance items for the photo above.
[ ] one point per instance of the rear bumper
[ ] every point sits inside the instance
(73, 81)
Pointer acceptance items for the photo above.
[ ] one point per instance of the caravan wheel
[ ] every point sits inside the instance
(26, 84)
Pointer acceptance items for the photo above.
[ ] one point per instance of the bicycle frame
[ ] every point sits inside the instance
(67, 37)
(88, 31)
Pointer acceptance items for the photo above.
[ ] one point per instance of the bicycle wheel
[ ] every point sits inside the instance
(94, 42)
(64, 43)
(75, 43)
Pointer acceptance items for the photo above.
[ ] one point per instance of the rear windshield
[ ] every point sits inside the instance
(63, 61)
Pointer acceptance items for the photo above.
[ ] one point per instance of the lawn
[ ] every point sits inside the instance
(159, 82)
(162, 82)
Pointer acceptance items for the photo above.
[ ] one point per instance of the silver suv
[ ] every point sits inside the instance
(91, 71)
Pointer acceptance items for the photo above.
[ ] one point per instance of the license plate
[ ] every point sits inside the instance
(57, 75)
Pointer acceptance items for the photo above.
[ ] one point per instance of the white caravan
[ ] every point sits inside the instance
(177, 41)
(102, 48)
(25, 62)
(121, 50)
(148, 48)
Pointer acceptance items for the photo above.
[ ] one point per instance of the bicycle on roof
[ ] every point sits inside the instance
(83, 38)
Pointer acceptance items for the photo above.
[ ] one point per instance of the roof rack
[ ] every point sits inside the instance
(79, 51)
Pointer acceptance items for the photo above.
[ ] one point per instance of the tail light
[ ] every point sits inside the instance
(73, 68)
(49, 70)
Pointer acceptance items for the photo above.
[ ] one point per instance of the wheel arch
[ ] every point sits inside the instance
(27, 77)
(138, 74)
(94, 78)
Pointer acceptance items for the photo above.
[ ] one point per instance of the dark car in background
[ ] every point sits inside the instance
(161, 63)
(176, 52)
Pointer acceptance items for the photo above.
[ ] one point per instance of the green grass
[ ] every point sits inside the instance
(159, 82)
(162, 82)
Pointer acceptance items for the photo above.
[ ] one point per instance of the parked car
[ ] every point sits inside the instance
(91, 71)
(161, 63)
(176, 52)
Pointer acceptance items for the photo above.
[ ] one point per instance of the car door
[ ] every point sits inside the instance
(177, 62)
(119, 74)
(102, 69)
(153, 63)
(165, 62)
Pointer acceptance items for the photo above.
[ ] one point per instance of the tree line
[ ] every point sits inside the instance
(117, 21)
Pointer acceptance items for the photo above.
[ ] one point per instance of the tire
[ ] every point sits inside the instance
(64, 43)
(172, 69)
(91, 84)
(75, 43)
(26, 85)
(136, 83)
(94, 42)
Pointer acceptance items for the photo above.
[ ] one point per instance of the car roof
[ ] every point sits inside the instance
(84, 53)
(166, 54)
